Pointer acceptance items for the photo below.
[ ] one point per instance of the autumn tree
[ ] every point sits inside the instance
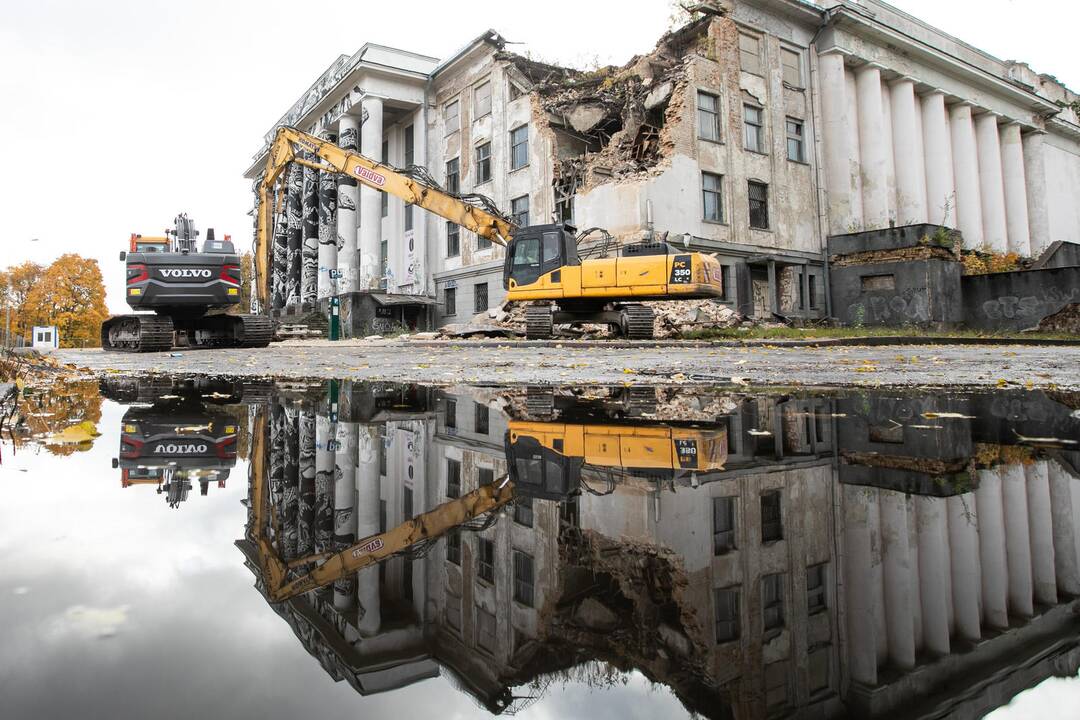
(247, 278)
(15, 285)
(71, 295)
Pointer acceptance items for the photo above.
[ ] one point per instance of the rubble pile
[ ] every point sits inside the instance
(1065, 321)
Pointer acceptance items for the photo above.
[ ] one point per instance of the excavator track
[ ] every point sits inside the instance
(539, 322)
(137, 333)
(637, 322)
(254, 331)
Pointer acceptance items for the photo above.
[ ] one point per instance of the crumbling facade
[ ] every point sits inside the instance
(756, 131)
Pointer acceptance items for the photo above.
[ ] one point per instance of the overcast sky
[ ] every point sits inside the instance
(117, 115)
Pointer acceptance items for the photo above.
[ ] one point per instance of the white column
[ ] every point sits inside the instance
(895, 556)
(873, 169)
(1035, 178)
(371, 134)
(964, 556)
(934, 580)
(837, 135)
(1040, 520)
(1066, 566)
(348, 200)
(1017, 539)
(907, 154)
(890, 164)
(991, 184)
(992, 563)
(344, 508)
(937, 158)
(367, 523)
(966, 175)
(859, 577)
(1012, 170)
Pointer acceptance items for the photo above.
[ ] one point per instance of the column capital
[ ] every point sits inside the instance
(933, 91)
(903, 78)
(870, 65)
(842, 52)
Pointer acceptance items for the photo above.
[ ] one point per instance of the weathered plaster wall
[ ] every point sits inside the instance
(1018, 300)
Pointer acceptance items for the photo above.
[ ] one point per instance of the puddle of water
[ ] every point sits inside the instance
(257, 549)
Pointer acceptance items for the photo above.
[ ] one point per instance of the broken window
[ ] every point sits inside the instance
(523, 578)
(795, 145)
(410, 146)
(513, 91)
(480, 297)
(482, 100)
(453, 176)
(483, 163)
(791, 65)
(519, 210)
(486, 560)
(452, 116)
(519, 147)
(450, 421)
(712, 200)
(753, 128)
(815, 588)
(772, 602)
(481, 415)
(453, 239)
(453, 546)
(772, 526)
(727, 614)
(708, 114)
(485, 630)
(723, 525)
(450, 301)
(759, 205)
(523, 511)
(750, 53)
(453, 478)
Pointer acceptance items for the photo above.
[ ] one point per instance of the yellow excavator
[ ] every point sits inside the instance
(542, 263)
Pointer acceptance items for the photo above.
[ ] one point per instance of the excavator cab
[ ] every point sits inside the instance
(537, 250)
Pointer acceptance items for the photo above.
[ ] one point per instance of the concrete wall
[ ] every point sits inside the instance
(922, 293)
(1018, 300)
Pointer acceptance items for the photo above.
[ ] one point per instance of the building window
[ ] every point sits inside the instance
(453, 176)
(711, 199)
(452, 116)
(523, 511)
(815, 588)
(482, 243)
(795, 146)
(408, 217)
(727, 614)
(480, 297)
(723, 525)
(382, 456)
(406, 503)
(453, 478)
(519, 147)
(485, 476)
(483, 163)
(750, 53)
(772, 527)
(759, 205)
(482, 100)
(519, 210)
(708, 116)
(791, 65)
(753, 128)
(728, 275)
(772, 602)
(453, 239)
(485, 630)
(481, 417)
(453, 547)
(811, 283)
(450, 301)
(410, 146)
(451, 414)
(485, 568)
(384, 210)
(523, 578)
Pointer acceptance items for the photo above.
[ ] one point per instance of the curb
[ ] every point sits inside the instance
(866, 341)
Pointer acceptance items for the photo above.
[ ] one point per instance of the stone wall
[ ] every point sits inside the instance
(1018, 300)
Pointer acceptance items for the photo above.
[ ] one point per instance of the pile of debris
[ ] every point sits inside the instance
(1065, 321)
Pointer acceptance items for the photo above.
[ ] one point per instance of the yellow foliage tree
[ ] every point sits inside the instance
(15, 284)
(70, 295)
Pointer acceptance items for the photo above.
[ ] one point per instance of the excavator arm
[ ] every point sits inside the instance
(287, 147)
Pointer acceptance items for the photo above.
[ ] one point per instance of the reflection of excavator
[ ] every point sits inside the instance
(181, 285)
(542, 261)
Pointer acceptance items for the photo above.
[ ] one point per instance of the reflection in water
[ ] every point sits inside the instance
(863, 553)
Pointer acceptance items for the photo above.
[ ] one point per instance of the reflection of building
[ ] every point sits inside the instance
(835, 564)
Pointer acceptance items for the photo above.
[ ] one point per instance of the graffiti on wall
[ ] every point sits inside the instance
(1029, 306)
(910, 306)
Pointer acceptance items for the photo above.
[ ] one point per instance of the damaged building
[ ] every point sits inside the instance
(759, 130)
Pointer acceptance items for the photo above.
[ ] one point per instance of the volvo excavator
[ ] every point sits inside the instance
(181, 285)
(544, 263)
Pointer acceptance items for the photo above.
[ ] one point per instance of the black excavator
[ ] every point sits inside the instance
(182, 285)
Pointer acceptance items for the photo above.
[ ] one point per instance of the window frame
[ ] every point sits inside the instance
(453, 547)
(732, 607)
(483, 162)
(449, 301)
(730, 533)
(453, 170)
(715, 113)
(450, 414)
(476, 108)
(485, 567)
(524, 591)
(759, 128)
(772, 582)
(453, 231)
(718, 192)
(456, 102)
(478, 290)
(764, 207)
(453, 478)
(481, 411)
(516, 213)
(798, 137)
(760, 64)
(516, 145)
(800, 83)
(817, 597)
(764, 498)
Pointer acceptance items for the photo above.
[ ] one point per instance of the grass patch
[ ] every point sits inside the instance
(817, 333)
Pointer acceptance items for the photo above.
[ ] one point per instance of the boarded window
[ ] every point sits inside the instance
(772, 526)
(482, 100)
(519, 147)
(878, 282)
(796, 149)
(723, 525)
(758, 194)
(519, 210)
(712, 201)
(708, 107)
(750, 53)
(727, 614)
(753, 128)
(791, 66)
(772, 602)
(523, 578)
